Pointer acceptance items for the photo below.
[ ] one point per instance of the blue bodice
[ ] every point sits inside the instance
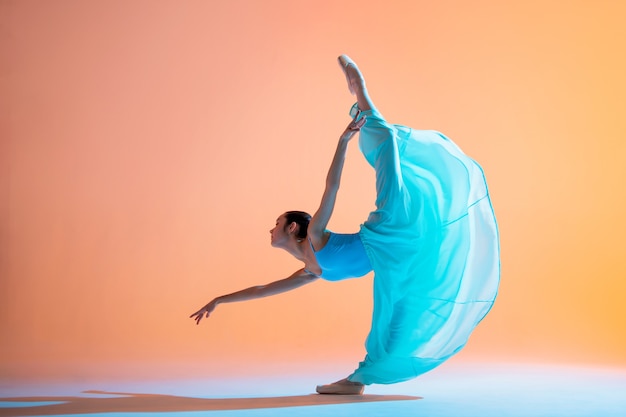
(343, 257)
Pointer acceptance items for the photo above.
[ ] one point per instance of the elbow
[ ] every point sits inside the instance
(308, 278)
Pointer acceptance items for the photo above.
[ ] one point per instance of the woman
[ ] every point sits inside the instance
(432, 243)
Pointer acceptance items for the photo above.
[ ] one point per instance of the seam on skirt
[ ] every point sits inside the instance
(466, 214)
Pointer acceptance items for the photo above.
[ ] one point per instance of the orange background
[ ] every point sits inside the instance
(148, 147)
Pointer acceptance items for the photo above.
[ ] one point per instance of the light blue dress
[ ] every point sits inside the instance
(432, 243)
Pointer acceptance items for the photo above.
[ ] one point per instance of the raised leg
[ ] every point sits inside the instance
(356, 82)
(378, 143)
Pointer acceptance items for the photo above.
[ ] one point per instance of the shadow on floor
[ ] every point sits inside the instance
(146, 403)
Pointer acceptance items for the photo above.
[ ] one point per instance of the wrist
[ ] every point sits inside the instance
(345, 138)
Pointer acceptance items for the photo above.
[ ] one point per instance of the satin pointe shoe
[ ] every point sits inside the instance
(343, 387)
(352, 73)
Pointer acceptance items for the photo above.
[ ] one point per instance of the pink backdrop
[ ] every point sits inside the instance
(148, 146)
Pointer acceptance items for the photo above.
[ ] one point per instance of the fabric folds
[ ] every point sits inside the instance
(433, 245)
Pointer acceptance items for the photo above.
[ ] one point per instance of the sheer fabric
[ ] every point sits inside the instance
(433, 245)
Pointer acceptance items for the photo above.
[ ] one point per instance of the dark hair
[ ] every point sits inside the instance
(301, 218)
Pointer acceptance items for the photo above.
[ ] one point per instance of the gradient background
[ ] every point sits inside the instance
(147, 148)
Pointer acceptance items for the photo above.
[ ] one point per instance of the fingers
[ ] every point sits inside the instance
(356, 125)
(198, 315)
(359, 123)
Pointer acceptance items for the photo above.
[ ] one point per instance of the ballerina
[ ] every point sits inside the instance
(432, 243)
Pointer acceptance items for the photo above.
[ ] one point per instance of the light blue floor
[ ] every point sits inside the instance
(454, 390)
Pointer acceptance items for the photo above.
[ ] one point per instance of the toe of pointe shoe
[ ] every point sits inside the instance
(353, 76)
(344, 60)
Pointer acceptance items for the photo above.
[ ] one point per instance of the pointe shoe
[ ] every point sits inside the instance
(353, 76)
(343, 387)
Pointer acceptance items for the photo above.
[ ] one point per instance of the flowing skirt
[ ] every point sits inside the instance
(433, 244)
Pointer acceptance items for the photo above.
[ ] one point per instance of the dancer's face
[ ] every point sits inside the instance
(279, 234)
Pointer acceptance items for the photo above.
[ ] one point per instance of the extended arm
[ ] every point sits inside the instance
(296, 280)
(320, 219)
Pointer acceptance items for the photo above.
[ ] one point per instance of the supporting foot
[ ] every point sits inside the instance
(343, 387)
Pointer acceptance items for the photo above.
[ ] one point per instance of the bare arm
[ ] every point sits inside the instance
(320, 219)
(296, 280)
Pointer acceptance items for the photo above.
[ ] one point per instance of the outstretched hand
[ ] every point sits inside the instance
(203, 312)
(354, 126)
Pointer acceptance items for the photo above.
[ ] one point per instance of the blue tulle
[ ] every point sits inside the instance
(433, 245)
